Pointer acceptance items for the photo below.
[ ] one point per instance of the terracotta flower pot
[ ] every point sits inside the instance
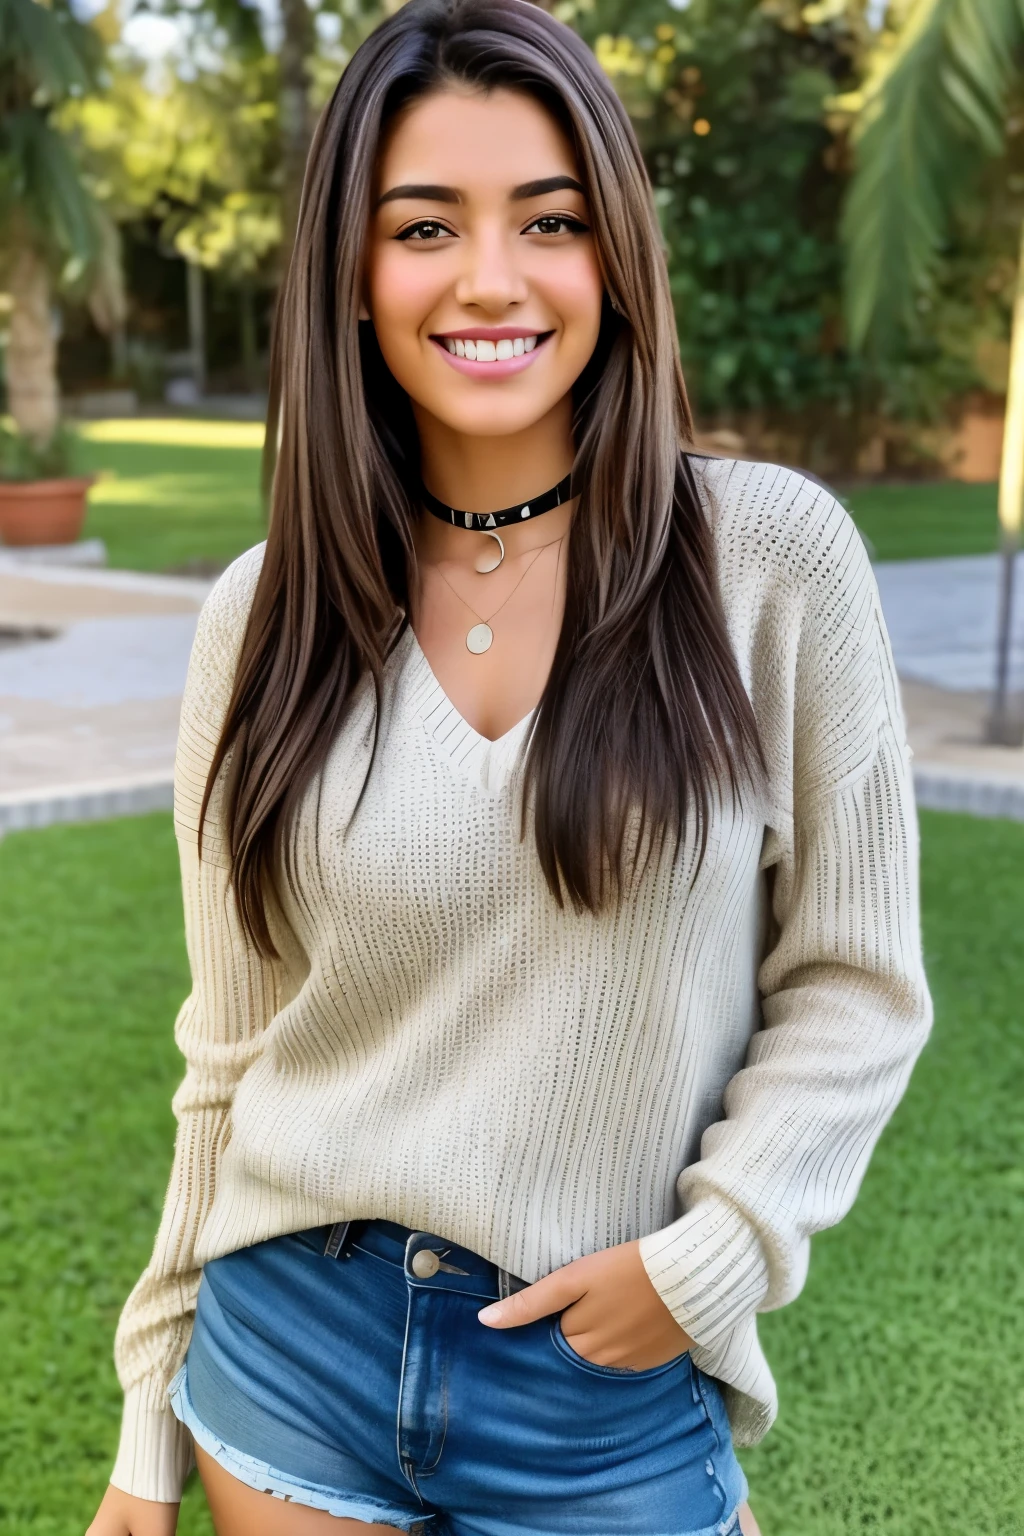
(42, 511)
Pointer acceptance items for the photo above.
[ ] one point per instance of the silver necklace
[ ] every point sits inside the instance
(486, 562)
(481, 636)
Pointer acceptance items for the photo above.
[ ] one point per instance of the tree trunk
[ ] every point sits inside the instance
(297, 45)
(32, 390)
(1001, 728)
(196, 323)
(247, 334)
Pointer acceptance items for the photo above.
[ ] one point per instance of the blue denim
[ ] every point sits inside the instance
(330, 1368)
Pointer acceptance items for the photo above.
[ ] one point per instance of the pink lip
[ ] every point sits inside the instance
(492, 333)
(496, 370)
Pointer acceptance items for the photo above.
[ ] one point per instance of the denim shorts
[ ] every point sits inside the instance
(345, 1368)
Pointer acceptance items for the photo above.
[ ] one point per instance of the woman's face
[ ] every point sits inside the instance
(482, 278)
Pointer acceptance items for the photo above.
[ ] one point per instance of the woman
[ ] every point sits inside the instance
(548, 857)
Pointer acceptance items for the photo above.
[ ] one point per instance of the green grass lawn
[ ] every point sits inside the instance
(180, 494)
(914, 521)
(901, 1368)
(174, 495)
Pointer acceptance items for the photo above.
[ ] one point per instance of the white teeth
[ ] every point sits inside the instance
(483, 351)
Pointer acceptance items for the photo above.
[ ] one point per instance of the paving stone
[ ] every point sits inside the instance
(942, 619)
(93, 711)
(102, 661)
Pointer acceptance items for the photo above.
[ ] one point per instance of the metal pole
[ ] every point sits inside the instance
(1000, 729)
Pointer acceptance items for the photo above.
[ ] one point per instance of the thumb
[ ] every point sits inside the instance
(552, 1294)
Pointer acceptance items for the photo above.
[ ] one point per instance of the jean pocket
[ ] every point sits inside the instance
(619, 1372)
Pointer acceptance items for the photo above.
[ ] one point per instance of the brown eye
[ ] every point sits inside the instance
(557, 224)
(426, 229)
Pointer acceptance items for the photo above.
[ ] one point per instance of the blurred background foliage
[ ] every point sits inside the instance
(748, 112)
(745, 111)
(195, 155)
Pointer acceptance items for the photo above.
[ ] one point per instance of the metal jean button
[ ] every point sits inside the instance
(425, 1263)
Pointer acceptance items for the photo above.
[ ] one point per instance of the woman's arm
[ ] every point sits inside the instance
(120, 1514)
(845, 1003)
(218, 1030)
(846, 1008)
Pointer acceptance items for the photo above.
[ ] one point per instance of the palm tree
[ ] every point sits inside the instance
(52, 232)
(933, 109)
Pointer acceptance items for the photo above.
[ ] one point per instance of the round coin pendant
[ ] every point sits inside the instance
(479, 639)
(489, 560)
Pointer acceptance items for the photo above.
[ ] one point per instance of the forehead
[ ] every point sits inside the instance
(472, 140)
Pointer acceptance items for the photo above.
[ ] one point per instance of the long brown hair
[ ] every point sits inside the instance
(644, 710)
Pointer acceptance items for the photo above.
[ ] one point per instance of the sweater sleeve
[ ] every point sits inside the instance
(218, 1031)
(844, 1001)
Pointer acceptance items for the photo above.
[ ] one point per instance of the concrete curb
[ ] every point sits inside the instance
(149, 582)
(938, 788)
(85, 802)
(90, 553)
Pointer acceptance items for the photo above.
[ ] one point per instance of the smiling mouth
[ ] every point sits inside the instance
(484, 350)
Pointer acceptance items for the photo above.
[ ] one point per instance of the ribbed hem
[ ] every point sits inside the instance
(155, 1453)
(708, 1268)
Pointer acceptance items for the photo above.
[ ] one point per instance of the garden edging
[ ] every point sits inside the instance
(99, 801)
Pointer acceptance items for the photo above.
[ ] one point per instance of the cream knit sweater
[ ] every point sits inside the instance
(706, 1067)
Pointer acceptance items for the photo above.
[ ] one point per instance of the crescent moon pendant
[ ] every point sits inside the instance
(487, 561)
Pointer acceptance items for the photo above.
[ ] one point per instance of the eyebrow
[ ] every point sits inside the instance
(544, 185)
(431, 192)
(423, 191)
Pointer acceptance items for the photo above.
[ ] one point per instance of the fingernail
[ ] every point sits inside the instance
(491, 1314)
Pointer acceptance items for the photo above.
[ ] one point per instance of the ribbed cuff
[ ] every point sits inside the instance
(708, 1268)
(155, 1454)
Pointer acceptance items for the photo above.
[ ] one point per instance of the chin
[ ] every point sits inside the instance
(493, 423)
(495, 410)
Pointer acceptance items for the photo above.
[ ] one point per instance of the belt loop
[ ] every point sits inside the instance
(504, 1286)
(336, 1240)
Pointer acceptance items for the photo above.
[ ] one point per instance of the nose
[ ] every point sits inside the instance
(490, 278)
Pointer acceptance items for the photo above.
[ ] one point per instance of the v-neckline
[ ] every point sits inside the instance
(448, 726)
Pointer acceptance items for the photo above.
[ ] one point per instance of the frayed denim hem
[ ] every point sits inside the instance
(267, 1479)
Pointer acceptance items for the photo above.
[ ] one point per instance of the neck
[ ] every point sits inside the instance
(483, 474)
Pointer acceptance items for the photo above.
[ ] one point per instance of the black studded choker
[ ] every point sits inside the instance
(483, 522)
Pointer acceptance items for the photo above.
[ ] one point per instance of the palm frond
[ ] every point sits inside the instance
(107, 297)
(47, 46)
(934, 108)
(40, 182)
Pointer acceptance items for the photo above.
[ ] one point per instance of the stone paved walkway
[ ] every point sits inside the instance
(88, 719)
(942, 619)
(941, 616)
(94, 710)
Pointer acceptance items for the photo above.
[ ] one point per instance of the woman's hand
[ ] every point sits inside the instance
(121, 1514)
(611, 1313)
